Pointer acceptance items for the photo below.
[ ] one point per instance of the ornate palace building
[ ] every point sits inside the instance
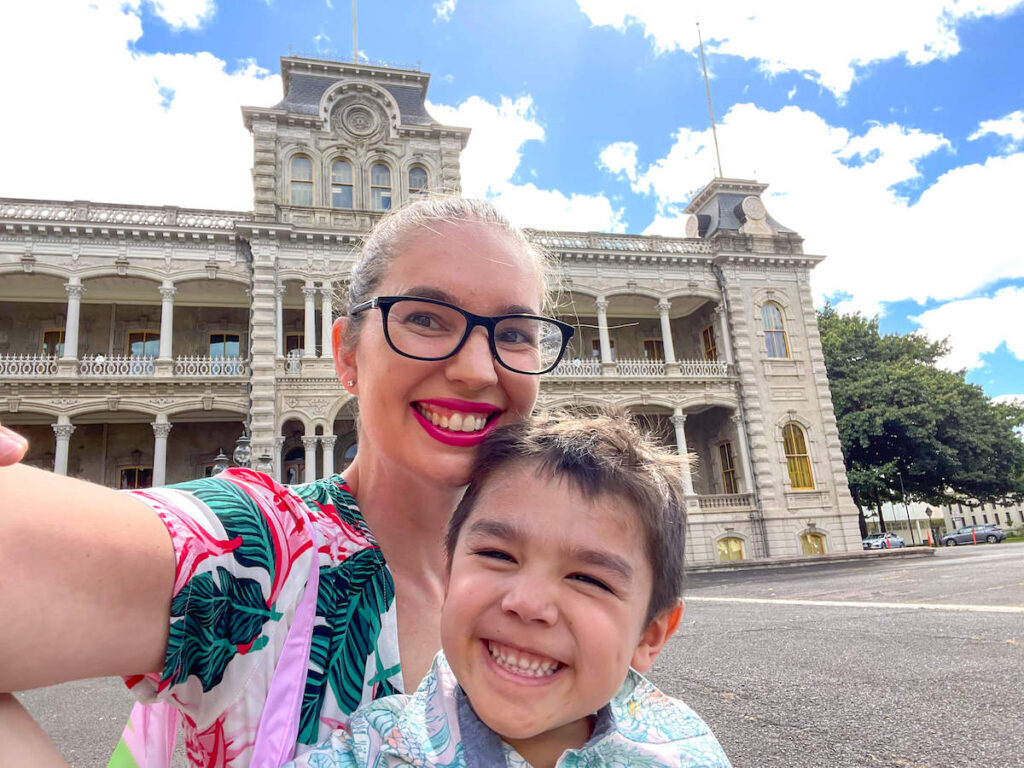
(137, 342)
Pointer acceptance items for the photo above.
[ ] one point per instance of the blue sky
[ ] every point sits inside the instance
(892, 136)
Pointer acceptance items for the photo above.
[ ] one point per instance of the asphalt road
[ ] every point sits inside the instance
(800, 667)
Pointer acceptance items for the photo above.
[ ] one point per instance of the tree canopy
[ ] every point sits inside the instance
(901, 416)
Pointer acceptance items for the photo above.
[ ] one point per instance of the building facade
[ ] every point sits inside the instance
(137, 342)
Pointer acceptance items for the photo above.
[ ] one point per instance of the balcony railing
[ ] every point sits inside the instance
(703, 369)
(726, 501)
(116, 366)
(641, 369)
(575, 368)
(200, 365)
(25, 366)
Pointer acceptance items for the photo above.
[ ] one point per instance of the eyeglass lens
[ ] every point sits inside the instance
(422, 329)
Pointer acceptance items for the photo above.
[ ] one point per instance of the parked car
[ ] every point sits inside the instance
(879, 540)
(974, 534)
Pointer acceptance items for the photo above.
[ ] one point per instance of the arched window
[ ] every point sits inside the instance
(730, 548)
(341, 184)
(728, 463)
(812, 544)
(302, 180)
(380, 187)
(417, 181)
(798, 461)
(775, 340)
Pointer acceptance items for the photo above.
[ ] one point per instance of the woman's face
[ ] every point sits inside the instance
(425, 417)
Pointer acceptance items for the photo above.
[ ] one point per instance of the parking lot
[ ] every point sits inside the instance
(892, 661)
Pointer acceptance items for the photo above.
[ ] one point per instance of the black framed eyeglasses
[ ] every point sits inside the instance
(429, 329)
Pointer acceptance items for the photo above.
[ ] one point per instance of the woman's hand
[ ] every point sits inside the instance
(12, 447)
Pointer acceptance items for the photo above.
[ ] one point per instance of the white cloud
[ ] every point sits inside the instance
(1010, 127)
(187, 14)
(842, 193)
(620, 157)
(978, 326)
(443, 9)
(492, 157)
(802, 36)
(160, 129)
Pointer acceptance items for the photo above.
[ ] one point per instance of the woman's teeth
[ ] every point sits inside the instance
(455, 422)
(522, 663)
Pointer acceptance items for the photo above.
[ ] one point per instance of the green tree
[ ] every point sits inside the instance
(901, 416)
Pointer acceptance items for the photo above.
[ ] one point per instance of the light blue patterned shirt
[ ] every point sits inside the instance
(436, 728)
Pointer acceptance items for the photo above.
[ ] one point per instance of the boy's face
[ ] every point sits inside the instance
(545, 607)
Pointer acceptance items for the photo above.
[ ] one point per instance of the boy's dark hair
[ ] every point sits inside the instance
(598, 454)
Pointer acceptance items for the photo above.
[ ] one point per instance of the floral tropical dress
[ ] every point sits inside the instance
(242, 558)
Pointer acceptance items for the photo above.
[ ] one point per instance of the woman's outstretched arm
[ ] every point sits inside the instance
(85, 582)
(22, 741)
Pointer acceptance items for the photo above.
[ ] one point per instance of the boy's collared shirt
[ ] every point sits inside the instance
(436, 727)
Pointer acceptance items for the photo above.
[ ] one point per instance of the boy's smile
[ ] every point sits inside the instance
(545, 609)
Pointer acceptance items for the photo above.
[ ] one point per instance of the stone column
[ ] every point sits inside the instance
(678, 420)
(309, 445)
(75, 290)
(62, 429)
(278, 459)
(309, 292)
(327, 442)
(741, 438)
(279, 331)
(602, 330)
(666, 332)
(167, 291)
(161, 429)
(723, 326)
(326, 295)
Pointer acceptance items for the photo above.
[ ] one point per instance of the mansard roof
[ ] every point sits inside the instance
(718, 207)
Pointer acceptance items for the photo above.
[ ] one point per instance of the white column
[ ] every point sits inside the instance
(741, 438)
(326, 295)
(161, 429)
(62, 429)
(278, 459)
(279, 295)
(309, 444)
(666, 332)
(328, 441)
(678, 420)
(309, 292)
(723, 325)
(167, 292)
(75, 290)
(602, 329)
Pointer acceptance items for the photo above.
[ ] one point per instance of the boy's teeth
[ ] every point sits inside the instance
(520, 664)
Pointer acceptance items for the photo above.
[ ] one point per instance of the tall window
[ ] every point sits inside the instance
(730, 548)
(417, 181)
(797, 459)
(654, 349)
(53, 343)
(595, 348)
(812, 544)
(135, 477)
(294, 341)
(341, 184)
(710, 348)
(224, 344)
(143, 344)
(302, 180)
(380, 187)
(775, 340)
(728, 462)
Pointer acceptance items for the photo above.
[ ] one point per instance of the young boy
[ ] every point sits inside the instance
(564, 574)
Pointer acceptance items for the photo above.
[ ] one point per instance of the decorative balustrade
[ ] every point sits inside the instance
(116, 365)
(293, 362)
(118, 215)
(200, 365)
(577, 368)
(726, 501)
(25, 366)
(704, 369)
(595, 241)
(640, 368)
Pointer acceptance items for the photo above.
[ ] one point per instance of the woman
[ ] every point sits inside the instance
(433, 377)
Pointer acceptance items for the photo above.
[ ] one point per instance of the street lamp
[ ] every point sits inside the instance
(242, 456)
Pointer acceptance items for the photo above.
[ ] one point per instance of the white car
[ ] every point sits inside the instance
(879, 540)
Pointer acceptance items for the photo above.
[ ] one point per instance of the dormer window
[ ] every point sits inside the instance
(341, 184)
(380, 187)
(417, 181)
(302, 180)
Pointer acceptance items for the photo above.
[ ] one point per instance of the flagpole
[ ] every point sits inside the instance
(355, 40)
(707, 86)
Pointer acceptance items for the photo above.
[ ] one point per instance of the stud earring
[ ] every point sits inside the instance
(351, 382)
